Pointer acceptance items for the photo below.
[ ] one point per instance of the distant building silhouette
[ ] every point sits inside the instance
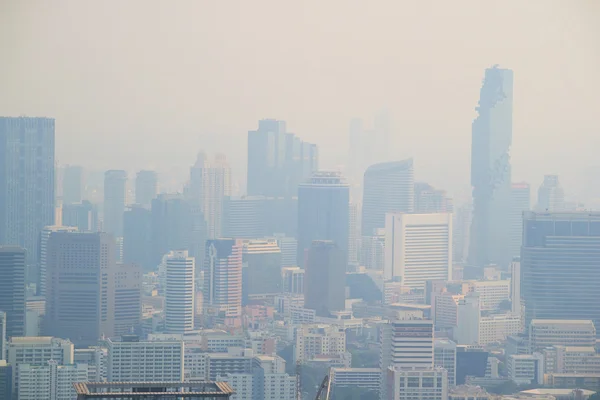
(72, 184)
(431, 200)
(12, 289)
(520, 201)
(491, 171)
(325, 276)
(551, 196)
(137, 237)
(82, 215)
(114, 201)
(146, 187)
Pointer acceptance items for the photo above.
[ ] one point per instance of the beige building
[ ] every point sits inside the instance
(557, 332)
(314, 340)
(497, 327)
(571, 359)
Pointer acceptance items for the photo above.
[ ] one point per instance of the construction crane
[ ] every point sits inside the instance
(324, 389)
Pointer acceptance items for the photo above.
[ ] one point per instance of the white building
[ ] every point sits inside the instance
(133, 360)
(49, 382)
(365, 378)
(491, 293)
(556, 332)
(497, 327)
(96, 360)
(418, 247)
(444, 356)
(428, 384)
(179, 292)
(407, 344)
(469, 316)
(526, 369)
(319, 339)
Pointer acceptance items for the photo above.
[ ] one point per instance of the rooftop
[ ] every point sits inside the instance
(149, 390)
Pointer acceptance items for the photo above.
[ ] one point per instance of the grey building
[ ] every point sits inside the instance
(2, 335)
(491, 170)
(12, 289)
(137, 237)
(72, 184)
(560, 256)
(431, 200)
(82, 215)
(249, 217)
(520, 202)
(128, 298)
(323, 212)
(551, 196)
(26, 181)
(324, 279)
(388, 187)
(261, 268)
(114, 201)
(146, 187)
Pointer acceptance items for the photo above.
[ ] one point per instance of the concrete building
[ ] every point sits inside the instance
(363, 378)
(146, 187)
(444, 309)
(83, 216)
(559, 277)
(407, 344)
(49, 382)
(431, 384)
(133, 360)
(373, 251)
(431, 200)
(492, 293)
(250, 217)
(314, 340)
(153, 390)
(179, 292)
(515, 287)
(461, 233)
(418, 248)
(26, 182)
(388, 188)
(96, 359)
(353, 235)
(520, 201)
(293, 280)
(43, 264)
(261, 271)
(495, 328)
(223, 281)
(115, 195)
(3, 338)
(571, 360)
(444, 356)
(547, 333)
(12, 288)
(469, 316)
(323, 213)
(289, 250)
(128, 298)
(324, 289)
(526, 369)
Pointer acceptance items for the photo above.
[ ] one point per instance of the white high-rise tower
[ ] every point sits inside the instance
(179, 293)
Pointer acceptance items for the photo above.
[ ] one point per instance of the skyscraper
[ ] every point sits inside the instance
(491, 170)
(114, 201)
(80, 286)
(551, 196)
(44, 238)
(223, 280)
(26, 181)
(520, 201)
(353, 234)
(431, 200)
(3, 337)
(137, 237)
(388, 187)
(12, 289)
(323, 212)
(146, 187)
(128, 298)
(179, 293)
(261, 267)
(418, 248)
(559, 265)
(324, 280)
(82, 215)
(72, 184)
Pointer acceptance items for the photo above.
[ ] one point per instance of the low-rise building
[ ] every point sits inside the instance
(526, 369)
(430, 384)
(468, 392)
(365, 378)
(556, 332)
(314, 340)
(49, 382)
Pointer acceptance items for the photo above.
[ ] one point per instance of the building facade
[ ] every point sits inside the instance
(146, 187)
(179, 292)
(324, 288)
(12, 289)
(115, 196)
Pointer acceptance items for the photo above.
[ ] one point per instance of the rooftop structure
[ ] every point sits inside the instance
(153, 390)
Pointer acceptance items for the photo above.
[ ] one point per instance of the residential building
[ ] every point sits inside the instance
(115, 194)
(526, 369)
(418, 248)
(179, 292)
(313, 340)
(491, 170)
(261, 271)
(73, 184)
(520, 201)
(323, 212)
(551, 196)
(146, 188)
(388, 188)
(49, 382)
(547, 333)
(444, 356)
(26, 182)
(431, 384)
(324, 289)
(12, 288)
(559, 274)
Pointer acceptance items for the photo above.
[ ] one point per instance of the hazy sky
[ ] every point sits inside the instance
(146, 84)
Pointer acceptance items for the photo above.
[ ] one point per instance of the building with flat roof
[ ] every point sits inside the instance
(153, 390)
(556, 332)
(364, 378)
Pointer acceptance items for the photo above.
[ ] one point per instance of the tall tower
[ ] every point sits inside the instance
(146, 187)
(72, 184)
(223, 280)
(179, 294)
(551, 196)
(114, 201)
(323, 212)
(26, 181)
(491, 171)
(137, 237)
(12, 289)
(520, 201)
(388, 187)
(44, 237)
(324, 281)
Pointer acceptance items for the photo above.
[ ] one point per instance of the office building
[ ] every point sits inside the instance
(373, 251)
(96, 360)
(461, 233)
(526, 369)
(431, 200)
(314, 340)
(137, 237)
(520, 201)
(388, 188)
(468, 320)
(250, 217)
(359, 378)
(407, 344)
(444, 309)
(223, 280)
(431, 384)
(80, 288)
(154, 360)
(233, 361)
(12, 289)
(293, 280)
(289, 250)
(444, 356)
(324, 289)
(49, 382)
(495, 328)
(115, 195)
(3, 336)
(44, 238)
(73, 185)
(83, 216)
(153, 390)
(491, 170)
(26, 181)
(547, 333)
(551, 196)
(323, 212)
(418, 248)
(6, 372)
(515, 286)
(128, 298)
(146, 187)
(261, 271)
(492, 293)
(353, 235)
(559, 259)
(179, 292)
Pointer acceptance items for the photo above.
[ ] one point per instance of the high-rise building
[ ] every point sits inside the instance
(250, 217)
(44, 237)
(515, 286)
(324, 283)
(261, 272)
(3, 337)
(82, 215)
(278, 161)
(179, 292)
(461, 233)
(323, 212)
(373, 251)
(559, 259)
(72, 184)
(545, 333)
(289, 250)
(444, 356)
(223, 280)
(146, 187)
(491, 170)
(314, 340)
(80, 287)
(388, 187)
(353, 235)
(418, 248)
(520, 201)
(293, 280)
(114, 201)
(12, 289)
(26, 181)
(407, 344)
(128, 298)
(551, 196)
(137, 237)
(431, 200)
